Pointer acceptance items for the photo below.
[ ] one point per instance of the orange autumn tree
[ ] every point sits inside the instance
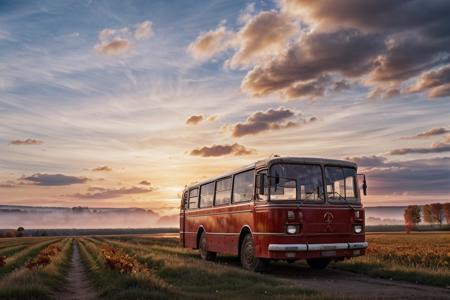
(426, 213)
(446, 209)
(412, 217)
(437, 213)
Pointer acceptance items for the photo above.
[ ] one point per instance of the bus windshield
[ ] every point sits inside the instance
(296, 182)
(341, 184)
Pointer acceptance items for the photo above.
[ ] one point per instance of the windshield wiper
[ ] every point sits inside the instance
(345, 200)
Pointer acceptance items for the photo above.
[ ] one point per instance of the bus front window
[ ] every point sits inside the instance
(341, 184)
(296, 182)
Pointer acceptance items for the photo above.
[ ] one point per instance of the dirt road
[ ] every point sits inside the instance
(339, 284)
(78, 287)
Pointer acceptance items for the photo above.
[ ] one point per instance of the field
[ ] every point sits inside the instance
(152, 267)
(417, 257)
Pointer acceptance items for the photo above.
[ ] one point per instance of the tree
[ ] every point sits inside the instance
(437, 213)
(20, 231)
(412, 217)
(446, 209)
(426, 212)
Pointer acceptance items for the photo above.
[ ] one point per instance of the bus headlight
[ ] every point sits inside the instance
(358, 228)
(291, 229)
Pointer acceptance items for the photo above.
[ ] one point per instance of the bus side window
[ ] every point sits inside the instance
(243, 187)
(223, 191)
(207, 194)
(193, 198)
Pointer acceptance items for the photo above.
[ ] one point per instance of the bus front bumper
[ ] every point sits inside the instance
(317, 247)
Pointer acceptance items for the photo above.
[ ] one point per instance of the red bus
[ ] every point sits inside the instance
(287, 208)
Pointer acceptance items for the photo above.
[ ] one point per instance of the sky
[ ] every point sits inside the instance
(123, 103)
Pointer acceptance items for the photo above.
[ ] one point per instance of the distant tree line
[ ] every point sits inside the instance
(434, 213)
(12, 233)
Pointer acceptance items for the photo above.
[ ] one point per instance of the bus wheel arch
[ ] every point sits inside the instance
(244, 231)
(199, 234)
(205, 254)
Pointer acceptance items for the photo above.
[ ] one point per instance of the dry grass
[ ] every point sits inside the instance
(416, 257)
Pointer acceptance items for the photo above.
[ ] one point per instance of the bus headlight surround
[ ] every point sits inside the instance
(291, 229)
(358, 228)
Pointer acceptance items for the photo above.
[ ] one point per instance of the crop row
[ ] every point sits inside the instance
(37, 272)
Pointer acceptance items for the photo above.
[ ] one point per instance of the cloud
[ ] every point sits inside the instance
(118, 41)
(221, 150)
(306, 66)
(370, 15)
(105, 193)
(114, 47)
(271, 119)
(384, 92)
(102, 169)
(26, 142)
(368, 161)
(53, 179)
(311, 89)
(212, 118)
(145, 182)
(289, 51)
(435, 148)
(194, 120)
(421, 176)
(436, 83)
(261, 36)
(144, 30)
(341, 85)
(247, 13)
(428, 133)
(211, 43)
(8, 184)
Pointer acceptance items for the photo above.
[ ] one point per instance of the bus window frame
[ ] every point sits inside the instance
(231, 191)
(232, 187)
(356, 187)
(322, 169)
(256, 192)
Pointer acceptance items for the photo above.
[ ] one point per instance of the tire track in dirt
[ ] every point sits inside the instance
(78, 285)
(342, 284)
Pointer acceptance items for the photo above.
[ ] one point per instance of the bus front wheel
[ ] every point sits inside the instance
(248, 259)
(318, 263)
(204, 253)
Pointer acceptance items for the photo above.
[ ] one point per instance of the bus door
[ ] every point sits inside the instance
(182, 218)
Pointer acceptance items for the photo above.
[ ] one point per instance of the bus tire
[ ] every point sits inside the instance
(248, 259)
(318, 263)
(203, 246)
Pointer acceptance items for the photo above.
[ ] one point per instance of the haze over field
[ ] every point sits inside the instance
(81, 217)
(118, 104)
(35, 217)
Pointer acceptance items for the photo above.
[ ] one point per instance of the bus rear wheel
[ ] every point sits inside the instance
(248, 259)
(204, 253)
(318, 263)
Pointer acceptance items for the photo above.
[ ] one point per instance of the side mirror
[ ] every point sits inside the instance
(364, 185)
(261, 184)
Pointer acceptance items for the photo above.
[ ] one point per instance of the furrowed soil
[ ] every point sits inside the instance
(78, 287)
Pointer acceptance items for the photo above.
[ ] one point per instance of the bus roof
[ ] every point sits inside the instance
(266, 163)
